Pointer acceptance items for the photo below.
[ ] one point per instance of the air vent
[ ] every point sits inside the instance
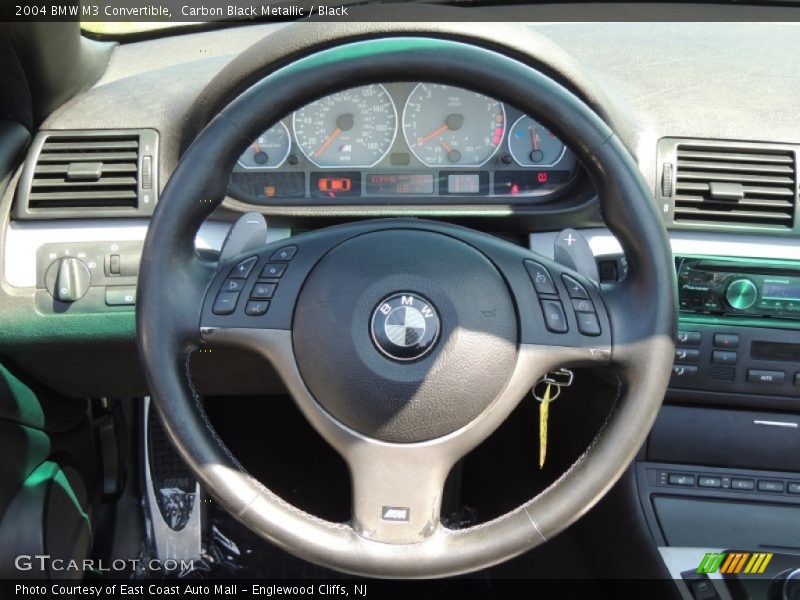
(85, 173)
(734, 184)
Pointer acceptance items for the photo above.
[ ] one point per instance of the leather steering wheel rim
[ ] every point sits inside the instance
(641, 313)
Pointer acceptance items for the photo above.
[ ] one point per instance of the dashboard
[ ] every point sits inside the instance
(404, 142)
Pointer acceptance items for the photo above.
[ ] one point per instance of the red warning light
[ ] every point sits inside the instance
(334, 184)
(542, 177)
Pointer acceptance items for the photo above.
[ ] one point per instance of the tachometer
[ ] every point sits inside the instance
(269, 150)
(353, 128)
(446, 125)
(532, 145)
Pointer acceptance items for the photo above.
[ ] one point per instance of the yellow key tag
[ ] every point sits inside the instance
(553, 379)
(544, 412)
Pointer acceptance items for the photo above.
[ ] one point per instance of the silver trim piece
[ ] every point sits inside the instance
(680, 559)
(410, 476)
(167, 543)
(786, 424)
(711, 243)
(23, 239)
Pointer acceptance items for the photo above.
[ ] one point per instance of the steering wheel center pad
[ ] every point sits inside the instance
(444, 390)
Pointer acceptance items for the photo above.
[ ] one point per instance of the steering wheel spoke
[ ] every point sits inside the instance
(397, 491)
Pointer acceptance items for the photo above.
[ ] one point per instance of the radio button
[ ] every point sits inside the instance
(770, 486)
(708, 481)
(273, 270)
(688, 338)
(794, 487)
(726, 340)
(741, 294)
(687, 355)
(758, 376)
(797, 378)
(285, 253)
(724, 357)
(742, 484)
(681, 479)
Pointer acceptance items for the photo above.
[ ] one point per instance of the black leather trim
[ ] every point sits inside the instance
(173, 279)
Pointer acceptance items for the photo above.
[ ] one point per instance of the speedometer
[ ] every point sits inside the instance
(353, 128)
(446, 125)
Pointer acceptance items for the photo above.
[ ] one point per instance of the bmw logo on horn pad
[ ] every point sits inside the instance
(405, 326)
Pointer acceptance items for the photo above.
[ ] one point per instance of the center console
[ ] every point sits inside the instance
(720, 471)
(721, 468)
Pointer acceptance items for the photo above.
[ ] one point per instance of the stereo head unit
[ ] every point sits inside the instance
(739, 287)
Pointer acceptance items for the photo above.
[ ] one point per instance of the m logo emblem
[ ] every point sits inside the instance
(395, 513)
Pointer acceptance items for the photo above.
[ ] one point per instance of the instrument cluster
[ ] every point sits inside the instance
(420, 143)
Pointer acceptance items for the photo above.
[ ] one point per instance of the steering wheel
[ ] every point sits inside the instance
(405, 343)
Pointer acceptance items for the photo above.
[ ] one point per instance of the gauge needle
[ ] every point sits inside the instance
(432, 134)
(446, 146)
(534, 138)
(328, 142)
(256, 147)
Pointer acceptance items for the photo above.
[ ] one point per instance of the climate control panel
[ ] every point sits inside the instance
(730, 358)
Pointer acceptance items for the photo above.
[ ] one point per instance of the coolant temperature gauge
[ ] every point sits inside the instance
(269, 150)
(532, 145)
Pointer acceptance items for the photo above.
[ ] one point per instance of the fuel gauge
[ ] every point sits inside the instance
(269, 150)
(532, 145)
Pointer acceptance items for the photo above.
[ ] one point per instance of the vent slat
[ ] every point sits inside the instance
(706, 178)
(749, 190)
(747, 202)
(89, 156)
(735, 156)
(684, 165)
(84, 195)
(103, 181)
(108, 168)
(732, 177)
(87, 145)
(706, 215)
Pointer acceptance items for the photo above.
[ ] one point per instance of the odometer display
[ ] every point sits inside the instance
(400, 184)
(354, 128)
